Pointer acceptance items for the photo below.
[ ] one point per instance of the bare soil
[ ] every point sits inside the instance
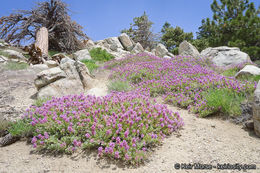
(201, 140)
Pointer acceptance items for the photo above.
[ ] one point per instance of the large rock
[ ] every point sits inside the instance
(248, 70)
(138, 48)
(71, 77)
(225, 56)
(102, 44)
(37, 68)
(256, 110)
(84, 75)
(187, 49)
(89, 44)
(119, 54)
(12, 54)
(58, 57)
(161, 50)
(125, 40)
(82, 55)
(51, 63)
(114, 43)
(61, 88)
(69, 67)
(48, 76)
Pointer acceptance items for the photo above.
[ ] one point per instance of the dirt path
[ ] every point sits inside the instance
(208, 141)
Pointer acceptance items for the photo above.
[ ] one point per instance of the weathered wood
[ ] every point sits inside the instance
(42, 40)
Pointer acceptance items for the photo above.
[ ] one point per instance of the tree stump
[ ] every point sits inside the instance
(42, 40)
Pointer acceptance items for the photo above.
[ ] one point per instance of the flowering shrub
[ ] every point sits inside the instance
(121, 125)
(183, 81)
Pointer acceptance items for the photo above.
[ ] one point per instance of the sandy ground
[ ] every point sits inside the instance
(205, 141)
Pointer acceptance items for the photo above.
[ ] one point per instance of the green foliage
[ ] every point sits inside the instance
(200, 44)
(140, 31)
(40, 101)
(223, 101)
(251, 78)
(91, 64)
(230, 72)
(21, 128)
(235, 23)
(15, 65)
(172, 37)
(119, 86)
(98, 54)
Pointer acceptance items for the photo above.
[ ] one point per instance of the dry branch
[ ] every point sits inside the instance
(64, 34)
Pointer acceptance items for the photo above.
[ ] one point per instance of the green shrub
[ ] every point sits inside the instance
(91, 64)
(230, 72)
(40, 101)
(251, 78)
(21, 128)
(15, 65)
(224, 101)
(99, 54)
(119, 86)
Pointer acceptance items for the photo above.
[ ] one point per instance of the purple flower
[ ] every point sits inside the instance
(34, 139)
(117, 154)
(87, 135)
(46, 135)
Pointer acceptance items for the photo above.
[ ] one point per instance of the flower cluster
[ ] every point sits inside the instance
(120, 125)
(182, 80)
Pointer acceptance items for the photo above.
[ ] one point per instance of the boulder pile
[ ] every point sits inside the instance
(119, 47)
(67, 77)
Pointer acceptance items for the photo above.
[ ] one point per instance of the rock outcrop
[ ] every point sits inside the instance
(69, 77)
(256, 110)
(14, 55)
(82, 55)
(137, 49)
(48, 76)
(119, 47)
(187, 49)
(225, 56)
(161, 50)
(248, 70)
(127, 43)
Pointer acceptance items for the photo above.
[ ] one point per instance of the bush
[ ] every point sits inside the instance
(21, 128)
(231, 72)
(91, 65)
(98, 54)
(121, 125)
(119, 86)
(15, 65)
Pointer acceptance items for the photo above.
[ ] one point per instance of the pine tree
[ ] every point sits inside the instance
(140, 31)
(172, 37)
(235, 23)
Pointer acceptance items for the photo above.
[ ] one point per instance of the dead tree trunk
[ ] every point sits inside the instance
(42, 40)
